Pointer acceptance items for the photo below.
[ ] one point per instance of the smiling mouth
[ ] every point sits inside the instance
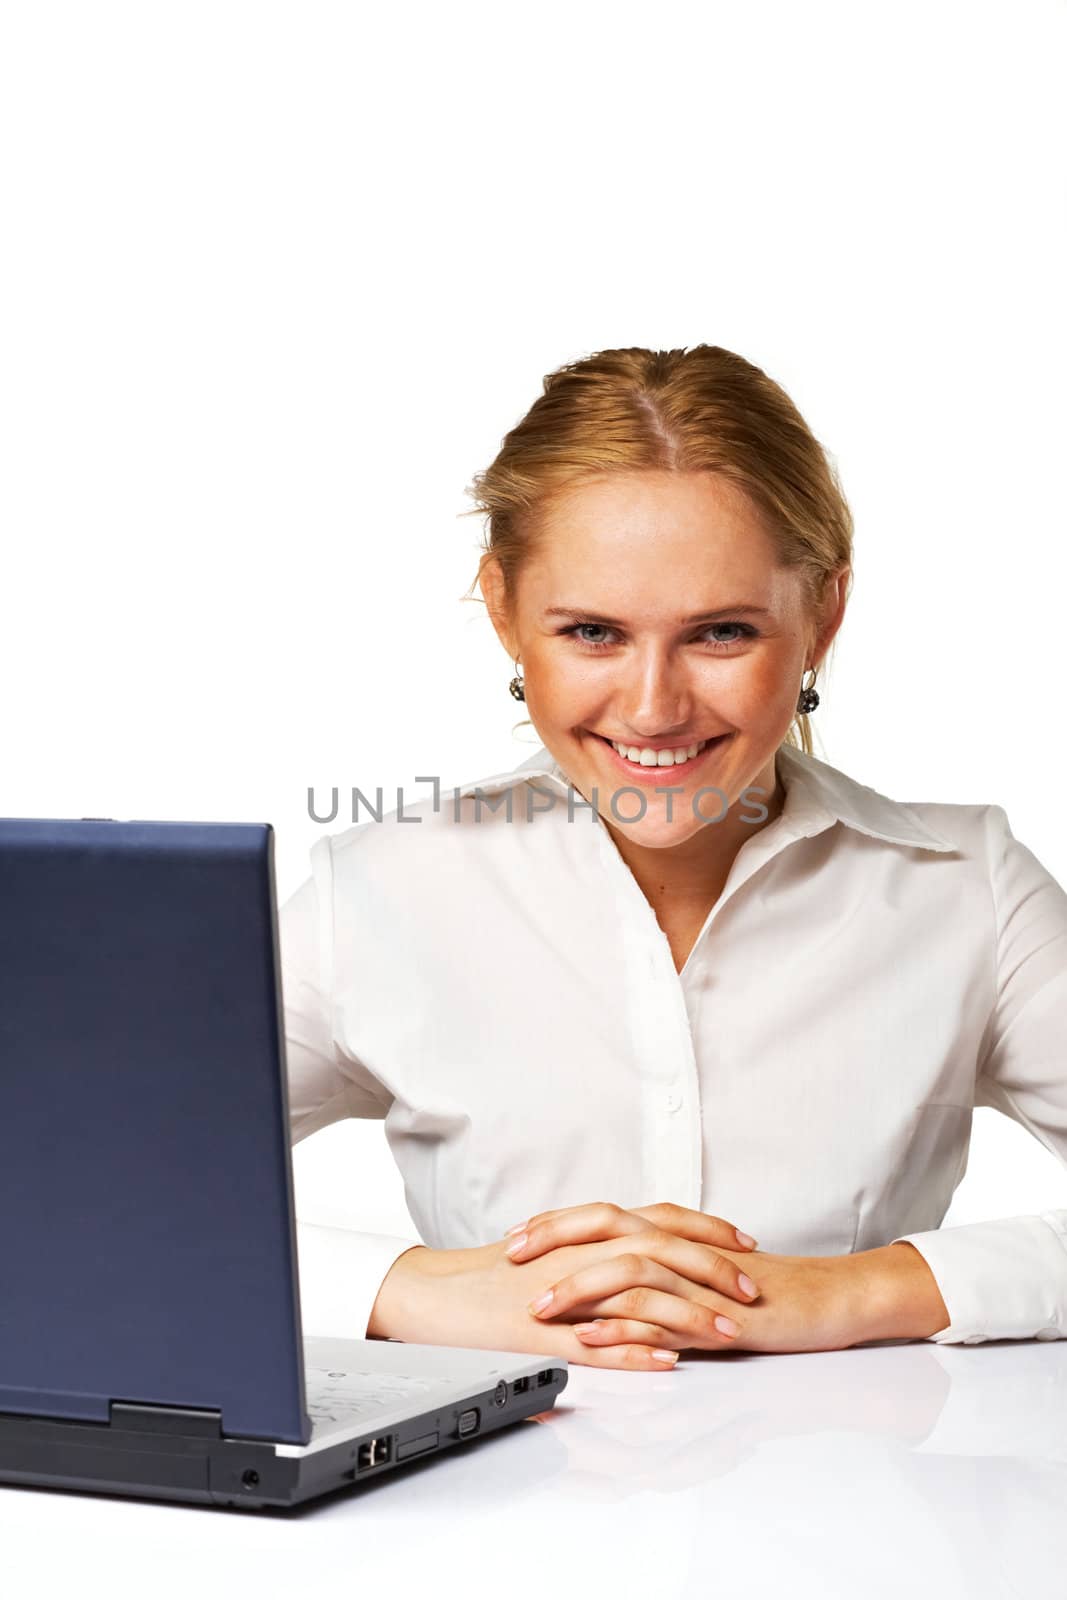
(693, 753)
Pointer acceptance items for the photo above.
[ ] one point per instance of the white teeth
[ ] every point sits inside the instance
(659, 758)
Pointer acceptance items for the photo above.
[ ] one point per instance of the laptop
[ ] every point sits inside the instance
(150, 1334)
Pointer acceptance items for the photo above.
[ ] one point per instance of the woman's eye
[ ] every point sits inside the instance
(742, 630)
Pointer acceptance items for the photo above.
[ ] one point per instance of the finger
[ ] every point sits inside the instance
(698, 1263)
(569, 1225)
(609, 1275)
(604, 1220)
(641, 1288)
(698, 1225)
(681, 1323)
(624, 1330)
(665, 1214)
(629, 1357)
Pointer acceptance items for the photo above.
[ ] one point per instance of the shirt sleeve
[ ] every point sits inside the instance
(341, 1269)
(1007, 1278)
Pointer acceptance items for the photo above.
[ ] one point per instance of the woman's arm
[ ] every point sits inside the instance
(1007, 1278)
(341, 1269)
(894, 1295)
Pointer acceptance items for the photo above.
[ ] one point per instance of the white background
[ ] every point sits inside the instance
(278, 277)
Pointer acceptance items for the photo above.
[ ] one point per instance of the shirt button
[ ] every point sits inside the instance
(674, 1101)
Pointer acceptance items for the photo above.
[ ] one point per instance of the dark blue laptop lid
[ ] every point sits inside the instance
(146, 1209)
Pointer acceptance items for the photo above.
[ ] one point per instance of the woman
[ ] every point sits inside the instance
(673, 969)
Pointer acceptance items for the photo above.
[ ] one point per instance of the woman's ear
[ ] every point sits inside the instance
(494, 593)
(832, 612)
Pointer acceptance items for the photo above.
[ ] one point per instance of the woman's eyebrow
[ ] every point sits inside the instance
(700, 616)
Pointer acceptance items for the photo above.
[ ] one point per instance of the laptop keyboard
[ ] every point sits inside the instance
(344, 1396)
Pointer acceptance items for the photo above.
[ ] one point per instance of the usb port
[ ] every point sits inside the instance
(520, 1386)
(374, 1452)
(543, 1378)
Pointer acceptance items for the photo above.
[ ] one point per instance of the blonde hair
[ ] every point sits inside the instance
(698, 410)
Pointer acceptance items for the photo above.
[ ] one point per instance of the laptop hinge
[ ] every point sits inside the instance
(137, 1418)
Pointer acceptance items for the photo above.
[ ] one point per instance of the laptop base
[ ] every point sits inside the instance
(167, 1453)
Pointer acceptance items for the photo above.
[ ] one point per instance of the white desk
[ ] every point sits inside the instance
(890, 1470)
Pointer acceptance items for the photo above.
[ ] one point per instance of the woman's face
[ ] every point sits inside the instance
(652, 613)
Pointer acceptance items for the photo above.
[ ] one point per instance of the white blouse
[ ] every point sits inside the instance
(481, 971)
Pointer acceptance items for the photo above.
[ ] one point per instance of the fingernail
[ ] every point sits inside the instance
(516, 1229)
(542, 1301)
(586, 1327)
(665, 1355)
(726, 1325)
(746, 1283)
(516, 1244)
(744, 1238)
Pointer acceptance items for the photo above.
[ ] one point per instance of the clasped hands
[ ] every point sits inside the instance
(665, 1278)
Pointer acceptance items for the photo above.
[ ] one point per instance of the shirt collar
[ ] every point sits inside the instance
(816, 796)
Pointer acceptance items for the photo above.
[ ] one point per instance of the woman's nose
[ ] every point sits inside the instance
(656, 697)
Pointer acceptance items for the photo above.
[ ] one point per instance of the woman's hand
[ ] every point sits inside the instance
(651, 1290)
(603, 1220)
(803, 1302)
(478, 1298)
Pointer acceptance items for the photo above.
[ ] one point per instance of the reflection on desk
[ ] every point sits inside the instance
(887, 1469)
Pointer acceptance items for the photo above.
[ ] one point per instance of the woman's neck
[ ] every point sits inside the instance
(692, 875)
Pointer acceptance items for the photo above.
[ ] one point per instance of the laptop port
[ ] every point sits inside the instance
(468, 1422)
(374, 1452)
(543, 1378)
(520, 1385)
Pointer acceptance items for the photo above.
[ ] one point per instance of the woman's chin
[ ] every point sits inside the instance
(655, 833)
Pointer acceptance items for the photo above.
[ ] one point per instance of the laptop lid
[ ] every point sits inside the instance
(146, 1208)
